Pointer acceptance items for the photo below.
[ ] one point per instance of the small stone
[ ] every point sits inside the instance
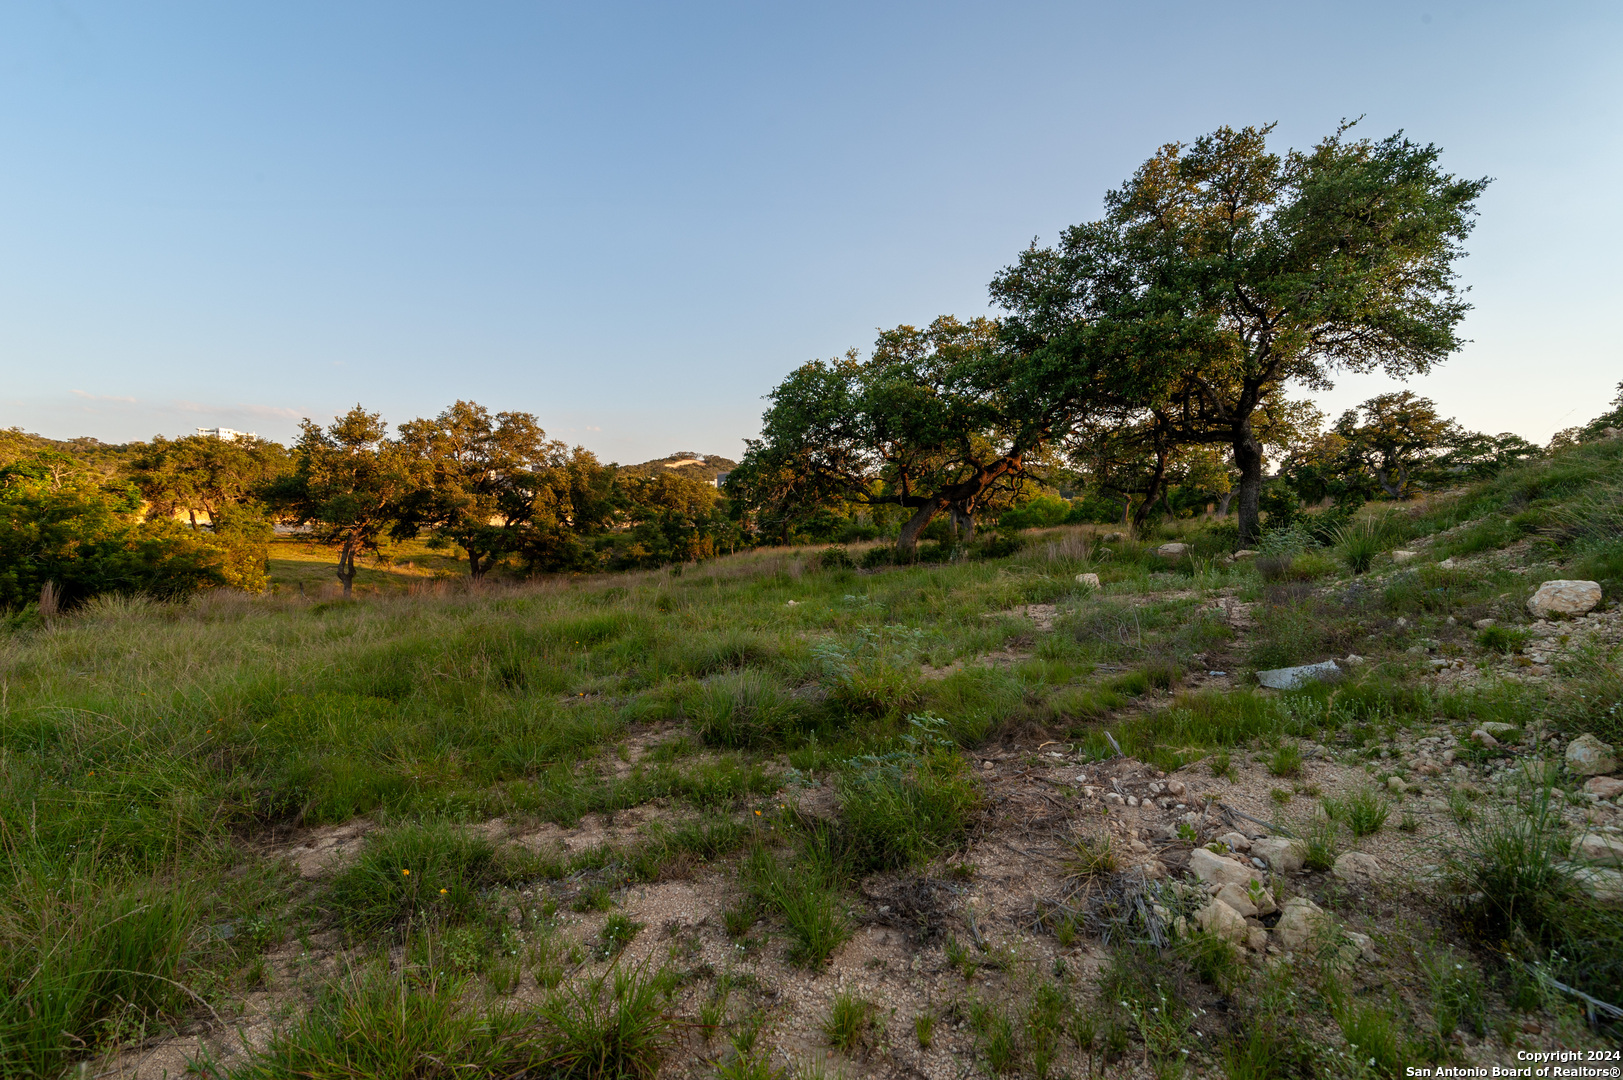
(1446, 564)
(1300, 919)
(1114, 799)
(1175, 787)
(1400, 622)
(1564, 598)
(1246, 553)
(1218, 919)
(1352, 660)
(1138, 846)
(1588, 756)
(1214, 869)
(1595, 848)
(1236, 841)
(1357, 868)
(1484, 738)
(1395, 784)
(1256, 939)
(1404, 556)
(1172, 551)
(1607, 787)
(1483, 624)
(1090, 580)
(1498, 728)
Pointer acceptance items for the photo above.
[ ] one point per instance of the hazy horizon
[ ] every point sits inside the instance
(633, 221)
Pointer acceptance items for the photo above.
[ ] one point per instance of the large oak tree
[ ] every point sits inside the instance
(1222, 271)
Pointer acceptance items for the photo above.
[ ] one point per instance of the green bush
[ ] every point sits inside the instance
(1503, 639)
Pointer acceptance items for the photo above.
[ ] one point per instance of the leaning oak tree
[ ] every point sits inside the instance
(932, 422)
(347, 484)
(1221, 271)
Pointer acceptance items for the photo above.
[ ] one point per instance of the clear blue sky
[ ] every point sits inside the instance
(633, 220)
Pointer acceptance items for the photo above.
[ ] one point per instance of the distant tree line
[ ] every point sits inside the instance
(175, 516)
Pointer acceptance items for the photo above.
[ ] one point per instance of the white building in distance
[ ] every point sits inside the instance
(227, 434)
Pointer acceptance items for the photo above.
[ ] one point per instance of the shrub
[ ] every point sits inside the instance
(1286, 760)
(805, 893)
(1365, 812)
(1359, 544)
(430, 870)
(601, 1031)
(1502, 639)
(1322, 848)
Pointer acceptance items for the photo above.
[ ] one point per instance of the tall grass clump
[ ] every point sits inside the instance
(745, 708)
(413, 871)
(83, 955)
(805, 892)
(1359, 543)
(909, 805)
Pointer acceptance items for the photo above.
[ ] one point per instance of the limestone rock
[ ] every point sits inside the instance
(1588, 756)
(1090, 580)
(1564, 598)
(1357, 868)
(1236, 841)
(1291, 677)
(1218, 919)
(1245, 901)
(1364, 944)
(1172, 551)
(1298, 922)
(1484, 738)
(1595, 848)
(1216, 870)
(1607, 787)
(1256, 938)
(1283, 855)
(1498, 729)
(1605, 886)
(1246, 553)
(1176, 787)
(1404, 556)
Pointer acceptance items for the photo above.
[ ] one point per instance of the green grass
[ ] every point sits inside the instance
(414, 872)
(850, 1024)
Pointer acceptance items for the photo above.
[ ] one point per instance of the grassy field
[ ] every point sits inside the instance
(791, 732)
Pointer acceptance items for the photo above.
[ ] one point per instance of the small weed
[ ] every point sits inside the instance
(1409, 823)
(1188, 833)
(1091, 856)
(1503, 639)
(850, 1022)
(1280, 796)
(1322, 848)
(960, 956)
(1456, 993)
(1460, 808)
(595, 898)
(617, 934)
(1363, 812)
(1222, 765)
(1286, 760)
(739, 919)
(924, 1028)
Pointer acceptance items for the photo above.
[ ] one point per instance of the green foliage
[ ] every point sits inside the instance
(745, 708)
(805, 893)
(910, 805)
(1503, 639)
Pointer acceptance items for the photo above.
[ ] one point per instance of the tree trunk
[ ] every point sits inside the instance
(193, 515)
(1386, 485)
(1223, 503)
(908, 539)
(476, 567)
(346, 566)
(1248, 456)
(963, 519)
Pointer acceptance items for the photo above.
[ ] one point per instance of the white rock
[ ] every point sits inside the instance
(1298, 923)
(1352, 660)
(1246, 553)
(1283, 855)
(1291, 677)
(1595, 848)
(1090, 580)
(1172, 551)
(1404, 556)
(1357, 868)
(1446, 564)
(1216, 870)
(1236, 841)
(1607, 787)
(1588, 756)
(1605, 886)
(1256, 938)
(1175, 787)
(1483, 624)
(1498, 728)
(1219, 919)
(1564, 598)
(1484, 738)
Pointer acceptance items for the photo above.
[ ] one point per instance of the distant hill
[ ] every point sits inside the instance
(701, 466)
